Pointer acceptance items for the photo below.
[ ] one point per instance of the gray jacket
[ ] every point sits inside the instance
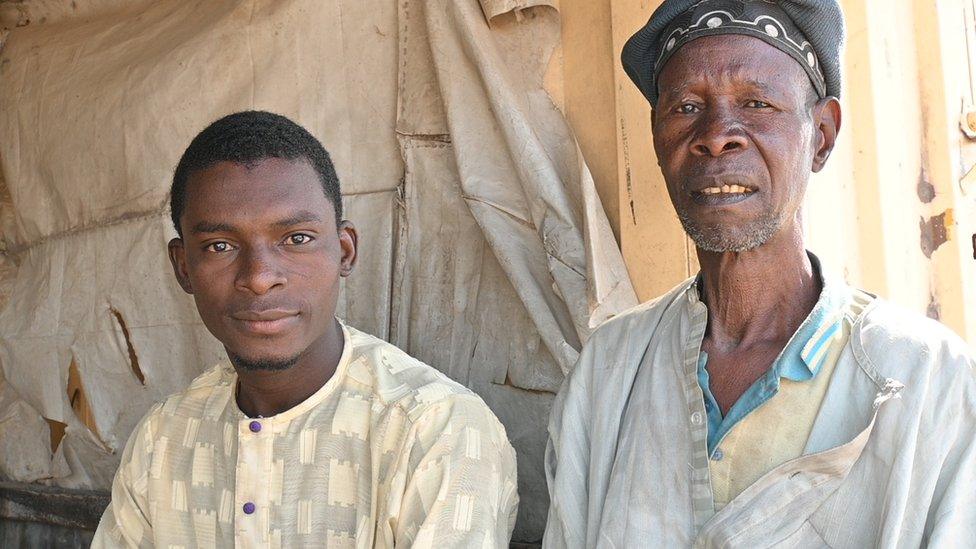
(891, 460)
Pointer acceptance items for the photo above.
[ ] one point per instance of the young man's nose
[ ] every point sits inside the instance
(259, 271)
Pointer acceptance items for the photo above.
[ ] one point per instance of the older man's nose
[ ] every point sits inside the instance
(259, 272)
(718, 135)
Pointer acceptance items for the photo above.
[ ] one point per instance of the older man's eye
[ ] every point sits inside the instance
(218, 247)
(688, 108)
(756, 104)
(298, 239)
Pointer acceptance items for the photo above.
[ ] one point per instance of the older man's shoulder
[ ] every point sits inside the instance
(907, 346)
(642, 318)
(618, 343)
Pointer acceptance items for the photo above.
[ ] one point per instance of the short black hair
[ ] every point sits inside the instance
(246, 138)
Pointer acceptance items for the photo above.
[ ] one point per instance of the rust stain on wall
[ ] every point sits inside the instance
(934, 309)
(925, 189)
(934, 232)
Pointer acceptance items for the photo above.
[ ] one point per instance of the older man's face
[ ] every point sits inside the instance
(736, 139)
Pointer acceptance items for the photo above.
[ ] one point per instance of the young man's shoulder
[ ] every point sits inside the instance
(399, 380)
(393, 378)
(206, 395)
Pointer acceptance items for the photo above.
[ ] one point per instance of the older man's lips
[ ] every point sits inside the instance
(269, 322)
(721, 195)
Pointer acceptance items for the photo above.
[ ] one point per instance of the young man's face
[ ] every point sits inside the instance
(262, 255)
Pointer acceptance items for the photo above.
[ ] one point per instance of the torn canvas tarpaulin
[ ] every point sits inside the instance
(499, 289)
(23, 454)
(96, 111)
(520, 170)
(485, 250)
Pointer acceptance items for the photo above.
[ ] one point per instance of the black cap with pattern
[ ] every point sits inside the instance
(809, 31)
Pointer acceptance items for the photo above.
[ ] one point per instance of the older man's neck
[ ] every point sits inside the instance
(759, 296)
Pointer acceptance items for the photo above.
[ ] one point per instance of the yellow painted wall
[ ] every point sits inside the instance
(897, 179)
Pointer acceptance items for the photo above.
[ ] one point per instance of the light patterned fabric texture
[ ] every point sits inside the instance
(388, 453)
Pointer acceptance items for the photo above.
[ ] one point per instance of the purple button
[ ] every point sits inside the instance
(255, 426)
(248, 508)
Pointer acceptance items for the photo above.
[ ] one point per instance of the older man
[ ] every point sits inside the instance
(315, 434)
(763, 402)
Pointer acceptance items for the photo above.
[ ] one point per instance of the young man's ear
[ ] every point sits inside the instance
(827, 117)
(177, 256)
(349, 242)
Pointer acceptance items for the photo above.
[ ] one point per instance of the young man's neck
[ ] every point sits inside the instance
(758, 296)
(266, 393)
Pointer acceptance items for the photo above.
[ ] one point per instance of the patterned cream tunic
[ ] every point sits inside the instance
(388, 453)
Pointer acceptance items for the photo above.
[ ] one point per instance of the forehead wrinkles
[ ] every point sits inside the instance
(721, 62)
(733, 77)
(736, 75)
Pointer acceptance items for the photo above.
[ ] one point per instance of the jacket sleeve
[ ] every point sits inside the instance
(952, 515)
(567, 464)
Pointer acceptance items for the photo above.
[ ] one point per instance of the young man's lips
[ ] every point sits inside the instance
(265, 322)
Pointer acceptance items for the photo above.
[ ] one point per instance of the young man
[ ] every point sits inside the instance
(762, 403)
(315, 434)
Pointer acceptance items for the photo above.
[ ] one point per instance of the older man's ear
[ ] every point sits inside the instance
(827, 118)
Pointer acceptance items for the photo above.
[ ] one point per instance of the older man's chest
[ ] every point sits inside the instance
(255, 483)
(660, 488)
(732, 372)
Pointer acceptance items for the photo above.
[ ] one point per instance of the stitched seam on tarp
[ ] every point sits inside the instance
(439, 137)
(120, 220)
(13, 250)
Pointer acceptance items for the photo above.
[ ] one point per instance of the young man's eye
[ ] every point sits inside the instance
(299, 239)
(218, 247)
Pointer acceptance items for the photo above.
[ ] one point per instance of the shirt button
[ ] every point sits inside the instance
(717, 455)
(248, 508)
(696, 418)
(255, 426)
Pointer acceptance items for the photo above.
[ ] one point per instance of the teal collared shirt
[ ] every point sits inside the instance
(801, 360)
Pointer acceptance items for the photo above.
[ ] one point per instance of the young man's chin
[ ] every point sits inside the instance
(261, 363)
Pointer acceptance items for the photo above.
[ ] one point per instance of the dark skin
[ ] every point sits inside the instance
(738, 131)
(262, 255)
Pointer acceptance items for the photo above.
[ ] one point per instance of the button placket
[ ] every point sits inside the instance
(255, 455)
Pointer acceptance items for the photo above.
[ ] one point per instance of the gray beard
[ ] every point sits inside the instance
(724, 239)
(262, 364)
